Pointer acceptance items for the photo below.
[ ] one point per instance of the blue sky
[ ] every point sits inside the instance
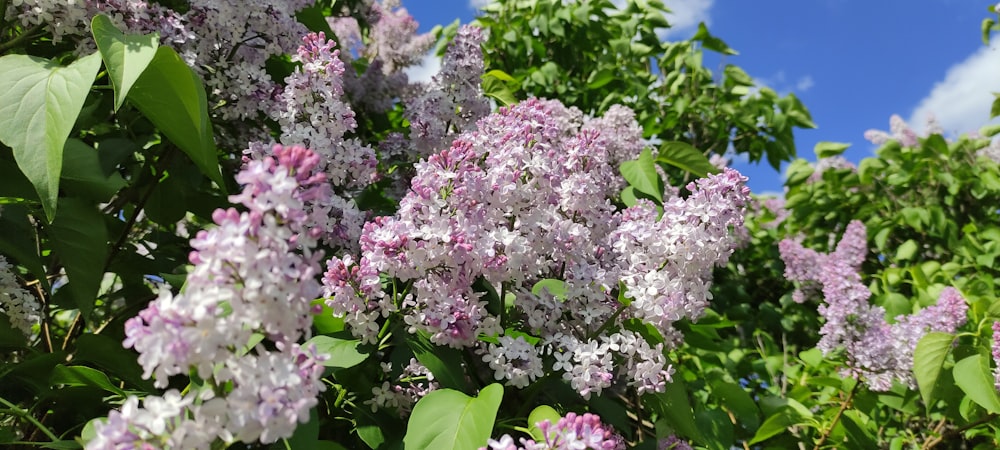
(852, 62)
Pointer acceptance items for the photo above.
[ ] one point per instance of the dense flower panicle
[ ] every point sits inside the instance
(875, 350)
(453, 101)
(527, 197)
(22, 309)
(393, 38)
(70, 19)
(996, 353)
(254, 272)
(667, 264)
(572, 432)
(830, 163)
(899, 130)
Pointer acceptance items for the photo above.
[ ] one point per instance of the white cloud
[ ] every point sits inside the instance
(804, 84)
(684, 17)
(429, 66)
(961, 102)
(478, 4)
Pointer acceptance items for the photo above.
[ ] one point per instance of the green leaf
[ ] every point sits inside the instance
(39, 103)
(555, 288)
(80, 240)
(828, 149)
(83, 175)
(641, 174)
(343, 353)
(125, 55)
(539, 415)
(973, 376)
(108, 354)
(711, 42)
(682, 155)
(675, 408)
(446, 419)
(600, 78)
(736, 399)
(83, 376)
(995, 109)
(10, 337)
(737, 75)
(928, 361)
(172, 96)
(444, 362)
(61, 445)
(906, 250)
(14, 221)
(777, 423)
(989, 130)
(496, 88)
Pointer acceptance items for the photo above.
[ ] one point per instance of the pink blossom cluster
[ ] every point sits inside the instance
(453, 101)
(523, 198)
(899, 130)
(830, 163)
(392, 45)
(996, 353)
(237, 324)
(673, 442)
(571, 432)
(875, 350)
(21, 308)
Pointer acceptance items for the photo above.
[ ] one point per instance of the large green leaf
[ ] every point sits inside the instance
(80, 241)
(641, 175)
(83, 376)
(39, 103)
(450, 420)
(108, 354)
(125, 55)
(683, 156)
(83, 175)
(539, 415)
(674, 407)
(444, 362)
(828, 149)
(343, 353)
(928, 360)
(172, 96)
(775, 424)
(973, 376)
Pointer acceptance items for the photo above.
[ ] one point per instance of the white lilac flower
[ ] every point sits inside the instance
(254, 272)
(22, 309)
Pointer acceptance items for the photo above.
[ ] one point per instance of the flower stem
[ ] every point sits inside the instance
(836, 418)
(14, 409)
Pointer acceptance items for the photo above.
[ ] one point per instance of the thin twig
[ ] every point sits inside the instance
(27, 35)
(27, 416)
(836, 418)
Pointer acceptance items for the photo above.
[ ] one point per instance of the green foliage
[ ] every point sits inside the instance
(592, 55)
(449, 419)
(39, 103)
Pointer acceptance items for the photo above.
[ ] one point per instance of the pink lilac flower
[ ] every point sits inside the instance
(875, 350)
(254, 273)
(572, 432)
(898, 130)
(996, 352)
(830, 163)
(453, 101)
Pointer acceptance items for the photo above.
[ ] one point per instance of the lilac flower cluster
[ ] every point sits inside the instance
(996, 353)
(312, 111)
(453, 101)
(226, 42)
(573, 432)
(830, 163)
(392, 45)
(672, 442)
(875, 350)
(524, 198)
(22, 309)
(252, 284)
(899, 130)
